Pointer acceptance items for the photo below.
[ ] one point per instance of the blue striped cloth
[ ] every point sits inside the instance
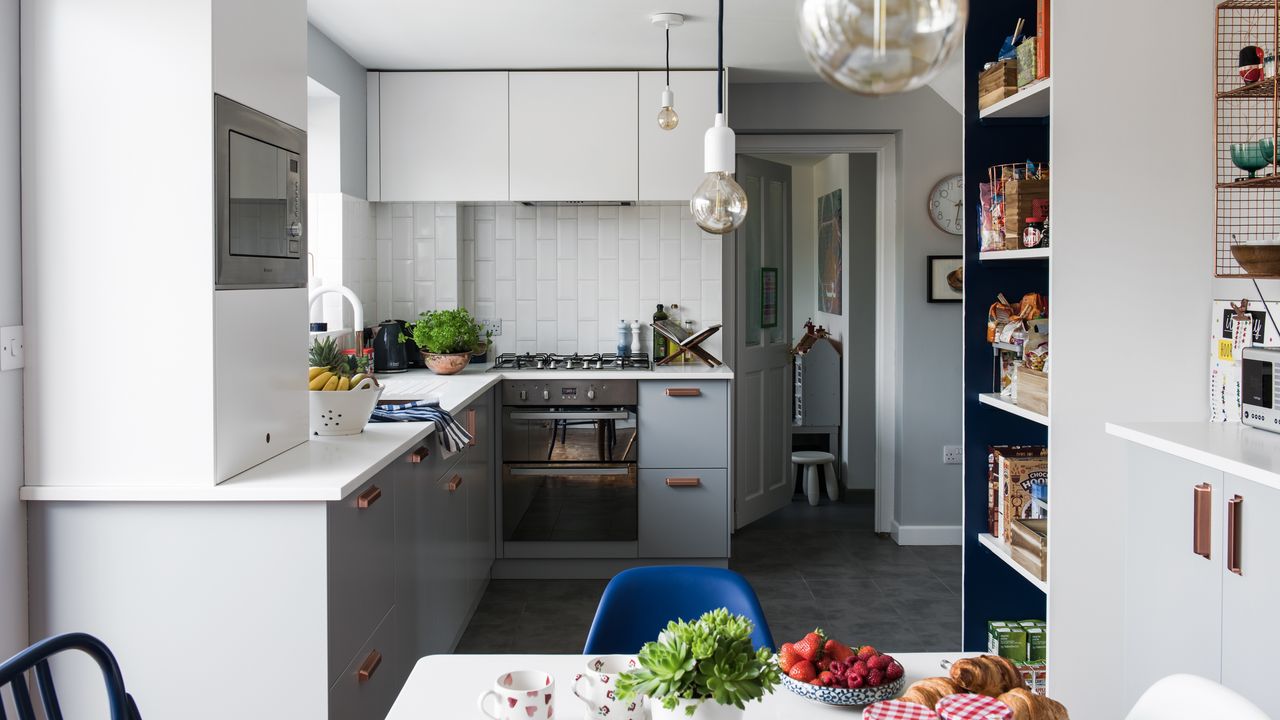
(453, 436)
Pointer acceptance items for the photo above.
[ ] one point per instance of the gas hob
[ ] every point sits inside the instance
(603, 362)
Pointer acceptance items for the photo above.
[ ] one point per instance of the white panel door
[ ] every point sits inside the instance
(1173, 596)
(573, 136)
(671, 160)
(443, 136)
(1249, 598)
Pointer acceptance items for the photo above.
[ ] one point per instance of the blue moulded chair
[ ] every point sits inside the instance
(638, 603)
(13, 673)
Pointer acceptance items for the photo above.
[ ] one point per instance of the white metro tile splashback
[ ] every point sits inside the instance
(558, 276)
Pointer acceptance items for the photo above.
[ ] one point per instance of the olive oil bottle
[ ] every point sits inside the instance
(660, 347)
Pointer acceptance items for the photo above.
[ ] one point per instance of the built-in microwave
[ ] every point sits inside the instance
(261, 199)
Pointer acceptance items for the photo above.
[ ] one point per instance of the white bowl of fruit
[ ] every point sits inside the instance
(826, 670)
(342, 396)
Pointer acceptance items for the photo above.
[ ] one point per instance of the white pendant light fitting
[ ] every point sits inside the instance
(668, 119)
(719, 205)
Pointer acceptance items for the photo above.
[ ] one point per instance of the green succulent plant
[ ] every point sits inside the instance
(710, 658)
(447, 331)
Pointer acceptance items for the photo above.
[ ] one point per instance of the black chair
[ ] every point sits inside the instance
(13, 674)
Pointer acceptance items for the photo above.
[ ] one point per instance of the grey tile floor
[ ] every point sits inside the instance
(811, 567)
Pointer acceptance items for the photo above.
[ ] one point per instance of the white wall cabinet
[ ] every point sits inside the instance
(671, 166)
(1187, 613)
(573, 136)
(442, 135)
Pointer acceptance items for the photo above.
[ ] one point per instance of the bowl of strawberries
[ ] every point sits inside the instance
(826, 670)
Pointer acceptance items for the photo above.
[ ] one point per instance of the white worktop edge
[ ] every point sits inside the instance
(292, 476)
(1232, 448)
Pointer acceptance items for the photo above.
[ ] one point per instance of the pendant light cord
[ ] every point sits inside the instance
(668, 55)
(720, 63)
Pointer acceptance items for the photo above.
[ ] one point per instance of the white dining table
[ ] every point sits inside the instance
(447, 686)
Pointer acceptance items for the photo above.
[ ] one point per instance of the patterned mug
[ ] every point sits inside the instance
(520, 695)
(597, 687)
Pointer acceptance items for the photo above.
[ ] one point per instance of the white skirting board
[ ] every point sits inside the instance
(926, 534)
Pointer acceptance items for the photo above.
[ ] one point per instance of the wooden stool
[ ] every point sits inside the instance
(810, 460)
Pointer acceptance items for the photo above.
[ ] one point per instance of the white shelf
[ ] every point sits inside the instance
(1000, 402)
(1002, 551)
(1032, 254)
(1031, 101)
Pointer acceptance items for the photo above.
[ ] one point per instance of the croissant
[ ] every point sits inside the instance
(1029, 706)
(986, 675)
(929, 691)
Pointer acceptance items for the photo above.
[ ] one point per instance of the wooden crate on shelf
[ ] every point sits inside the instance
(1030, 546)
(997, 83)
(1033, 390)
(1020, 198)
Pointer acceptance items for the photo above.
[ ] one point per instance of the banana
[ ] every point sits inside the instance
(320, 380)
(332, 383)
(356, 381)
(316, 372)
(344, 383)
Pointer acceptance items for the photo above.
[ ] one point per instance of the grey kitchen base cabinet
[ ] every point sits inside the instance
(684, 513)
(684, 423)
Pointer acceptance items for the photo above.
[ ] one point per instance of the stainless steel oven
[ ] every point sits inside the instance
(261, 199)
(569, 484)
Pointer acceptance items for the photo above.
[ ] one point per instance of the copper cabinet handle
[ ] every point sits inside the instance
(684, 482)
(471, 426)
(369, 667)
(454, 483)
(1202, 520)
(422, 453)
(683, 392)
(368, 497)
(1233, 534)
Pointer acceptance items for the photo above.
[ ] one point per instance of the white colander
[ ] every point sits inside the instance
(343, 412)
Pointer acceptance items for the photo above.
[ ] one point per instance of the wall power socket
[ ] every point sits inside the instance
(493, 325)
(952, 455)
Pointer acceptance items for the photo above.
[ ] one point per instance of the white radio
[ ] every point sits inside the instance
(1258, 388)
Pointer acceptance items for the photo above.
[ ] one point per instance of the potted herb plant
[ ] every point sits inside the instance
(446, 339)
(705, 669)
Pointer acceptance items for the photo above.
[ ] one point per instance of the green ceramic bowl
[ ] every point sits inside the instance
(1253, 156)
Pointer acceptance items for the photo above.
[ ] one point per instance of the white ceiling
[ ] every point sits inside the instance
(760, 35)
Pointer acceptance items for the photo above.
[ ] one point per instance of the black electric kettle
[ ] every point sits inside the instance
(388, 349)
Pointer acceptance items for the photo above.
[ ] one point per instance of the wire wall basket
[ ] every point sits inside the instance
(1246, 144)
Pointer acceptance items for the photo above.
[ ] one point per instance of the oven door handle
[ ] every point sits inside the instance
(554, 470)
(611, 415)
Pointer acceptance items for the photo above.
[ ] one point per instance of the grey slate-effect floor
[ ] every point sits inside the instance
(820, 567)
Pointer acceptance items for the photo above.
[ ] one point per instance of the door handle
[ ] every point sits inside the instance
(1233, 534)
(369, 667)
(417, 456)
(1202, 520)
(368, 497)
(683, 482)
(683, 392)
(471, 426)
(454, 483)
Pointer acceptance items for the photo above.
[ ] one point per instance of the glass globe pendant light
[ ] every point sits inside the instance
(719, 205)
(668, 119)
(878, 47)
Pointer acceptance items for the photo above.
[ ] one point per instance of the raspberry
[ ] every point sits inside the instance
(838, 668)
(855, 681)
(879, 662)
(875, 678)
(894, 671)
(860, 669)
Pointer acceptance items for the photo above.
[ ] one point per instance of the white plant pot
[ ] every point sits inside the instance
(706, 710)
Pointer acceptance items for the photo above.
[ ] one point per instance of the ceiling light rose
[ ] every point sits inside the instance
(719, 205)
(879, 47)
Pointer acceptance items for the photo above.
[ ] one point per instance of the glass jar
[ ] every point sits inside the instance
(1035, 233)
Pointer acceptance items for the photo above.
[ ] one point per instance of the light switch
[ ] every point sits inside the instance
(12, 354)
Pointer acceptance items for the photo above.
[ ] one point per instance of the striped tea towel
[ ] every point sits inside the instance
(453, 436)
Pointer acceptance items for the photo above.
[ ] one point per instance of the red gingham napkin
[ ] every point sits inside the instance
(973, 707)
(898, 710)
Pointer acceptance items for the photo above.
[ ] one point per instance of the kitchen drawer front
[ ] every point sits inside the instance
(684, 513)
(684, 424)
(361, 563)
(368, 684)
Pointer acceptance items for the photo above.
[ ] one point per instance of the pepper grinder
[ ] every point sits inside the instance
(635, 337)
(623, 348)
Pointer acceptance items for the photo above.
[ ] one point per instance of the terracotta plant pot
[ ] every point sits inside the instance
(447, 364)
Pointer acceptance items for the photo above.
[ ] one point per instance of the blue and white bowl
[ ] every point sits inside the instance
(845, 696)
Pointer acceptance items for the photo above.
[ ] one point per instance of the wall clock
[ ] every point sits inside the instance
(946, 204)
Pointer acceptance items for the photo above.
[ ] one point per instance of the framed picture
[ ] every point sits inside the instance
(768, 297)
(830, 254)
(946, 278)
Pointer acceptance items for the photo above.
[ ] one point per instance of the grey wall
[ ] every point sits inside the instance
(13, 516)
(332, 67)
(928, 493)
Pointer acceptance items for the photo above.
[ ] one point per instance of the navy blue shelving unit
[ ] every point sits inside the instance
(992, 589)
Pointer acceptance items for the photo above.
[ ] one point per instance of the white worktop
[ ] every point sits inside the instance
(1232, 448)
(329, 468)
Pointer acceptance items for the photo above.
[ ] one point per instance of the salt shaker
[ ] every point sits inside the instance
(635, 337)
